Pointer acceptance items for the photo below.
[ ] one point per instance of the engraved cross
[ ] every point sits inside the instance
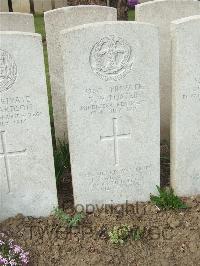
(115, 137)
(5, 155)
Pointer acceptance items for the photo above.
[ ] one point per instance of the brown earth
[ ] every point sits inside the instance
(170, 237)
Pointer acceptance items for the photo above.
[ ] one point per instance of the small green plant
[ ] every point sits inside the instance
(119, 234)
(167, 199)
(67, 219)
(137, 234)
(61, 160)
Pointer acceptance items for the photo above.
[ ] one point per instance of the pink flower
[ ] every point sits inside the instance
(17, 249)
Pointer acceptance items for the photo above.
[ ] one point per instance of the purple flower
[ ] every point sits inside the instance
(132, 3)
(13, 255)
(1, 242)
(13, 262)
(17, 249)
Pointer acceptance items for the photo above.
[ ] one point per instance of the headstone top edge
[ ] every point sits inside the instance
(21, 33)
(181, 21)
(16, 14)
(79, 7)
(107, 23)
(156, 2)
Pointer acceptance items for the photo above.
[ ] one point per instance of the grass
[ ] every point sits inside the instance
(70, 221)
(40, 28)
(167, 199)
(39, 25)
(131, 15)
(61, 160)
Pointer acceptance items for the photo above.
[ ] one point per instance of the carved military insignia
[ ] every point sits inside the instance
(8, 71)
(111, 58)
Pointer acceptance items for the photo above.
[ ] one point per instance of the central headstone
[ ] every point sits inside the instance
(27, 176)
(161, 13)
(112, 97)
(68, 17)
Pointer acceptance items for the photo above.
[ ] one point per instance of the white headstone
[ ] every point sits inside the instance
(162, 13)
(10, 21)
(41, 6)
(112, 96)
(185, 126)
(21, 6)
(60, 3)
(3, 6)
(27, 177)
(68, 17)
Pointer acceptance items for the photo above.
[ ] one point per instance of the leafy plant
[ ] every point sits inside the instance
(119, 234)
(67, 219)
(61, 160)
(11, 254)
(137, 234)
(167, 199)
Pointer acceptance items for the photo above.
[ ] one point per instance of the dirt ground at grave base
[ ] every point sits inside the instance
(169, 238)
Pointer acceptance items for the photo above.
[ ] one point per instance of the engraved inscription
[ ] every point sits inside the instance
(5, 155)
(111, 58)
(8, 71)
(114, 99)
(123, 178)
(17, 110)
(115, 137)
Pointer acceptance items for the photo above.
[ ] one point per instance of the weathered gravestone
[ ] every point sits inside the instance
(185, 126)
(41, 6)
(112, 96)
(3, 6)
(68, 17)
(161, 13)
(21, 6)
(10, 21)
(60, 3)
(27, 178)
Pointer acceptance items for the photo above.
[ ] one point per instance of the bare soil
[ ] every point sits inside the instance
(170, 237)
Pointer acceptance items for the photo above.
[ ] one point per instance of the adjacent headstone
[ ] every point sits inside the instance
(27, 177)
(21, 6)
(161, 13)
(68, 17)
(41, 6)
(112, 97)
(3, 6)
(60, 3)
(10, 21)
(185, 126)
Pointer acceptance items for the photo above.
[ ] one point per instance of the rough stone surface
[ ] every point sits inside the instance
(4, 6)
(41, 6)
(112, 95)
(10, 21)
(27, 177)
(60, 3)
(55, 21)
(21, 6)
(162, 13)
(185, 127)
